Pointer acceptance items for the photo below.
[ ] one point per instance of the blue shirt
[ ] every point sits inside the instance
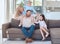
(29, 8)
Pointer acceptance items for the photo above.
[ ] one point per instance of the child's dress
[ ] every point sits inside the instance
(42, 24)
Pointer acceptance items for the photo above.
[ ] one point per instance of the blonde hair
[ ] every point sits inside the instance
(17, 13)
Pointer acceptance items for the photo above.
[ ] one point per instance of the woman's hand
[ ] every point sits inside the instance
(19, 25)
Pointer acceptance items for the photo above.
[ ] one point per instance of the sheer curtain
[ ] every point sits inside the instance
(2, 12)
(10, 7)
(7, 8)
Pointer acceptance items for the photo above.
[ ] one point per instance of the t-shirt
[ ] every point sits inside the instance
(27, 22)
(42, 24)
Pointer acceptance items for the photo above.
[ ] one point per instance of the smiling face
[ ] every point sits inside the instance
(28, 13)
(41, 18)
(29, 3)
(21, 9)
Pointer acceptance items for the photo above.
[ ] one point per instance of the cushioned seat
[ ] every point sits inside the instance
(14, 30)
(56, 41)
(55, 32)
(18, 31)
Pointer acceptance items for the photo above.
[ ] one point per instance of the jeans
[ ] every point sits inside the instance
(28, 32)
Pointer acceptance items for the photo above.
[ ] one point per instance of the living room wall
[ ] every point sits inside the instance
(52, 15)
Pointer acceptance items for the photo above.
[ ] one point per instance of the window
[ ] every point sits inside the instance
(53, 0)
(53, 5)
(34, 2)
(18, 2)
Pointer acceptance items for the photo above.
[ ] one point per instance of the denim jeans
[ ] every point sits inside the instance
(28, 32)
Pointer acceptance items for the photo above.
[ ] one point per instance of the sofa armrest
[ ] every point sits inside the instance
(55, 32)
(55, 35)
(4, 28)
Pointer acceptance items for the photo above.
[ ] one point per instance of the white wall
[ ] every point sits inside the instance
(53, 15)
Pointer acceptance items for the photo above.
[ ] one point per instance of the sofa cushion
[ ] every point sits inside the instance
(54, 23)
(55, 32)
(17, 30)
(37, 26)
(15, 23)
(56, 41)
(37, 34)
(47, 22)
(14, 31)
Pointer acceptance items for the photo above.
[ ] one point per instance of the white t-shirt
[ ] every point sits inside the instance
(42, 24)
(27, 22)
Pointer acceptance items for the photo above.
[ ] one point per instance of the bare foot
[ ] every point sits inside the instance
(43, 38)
(28, 40)
(47, 35)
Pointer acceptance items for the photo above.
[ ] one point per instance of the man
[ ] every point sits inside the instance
(28, 27)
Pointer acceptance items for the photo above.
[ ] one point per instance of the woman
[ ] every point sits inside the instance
(19, 11)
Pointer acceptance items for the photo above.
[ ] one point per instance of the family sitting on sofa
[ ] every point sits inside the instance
(29, 26)
(28, 21)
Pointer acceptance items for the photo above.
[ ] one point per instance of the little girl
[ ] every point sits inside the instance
(43, 26)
